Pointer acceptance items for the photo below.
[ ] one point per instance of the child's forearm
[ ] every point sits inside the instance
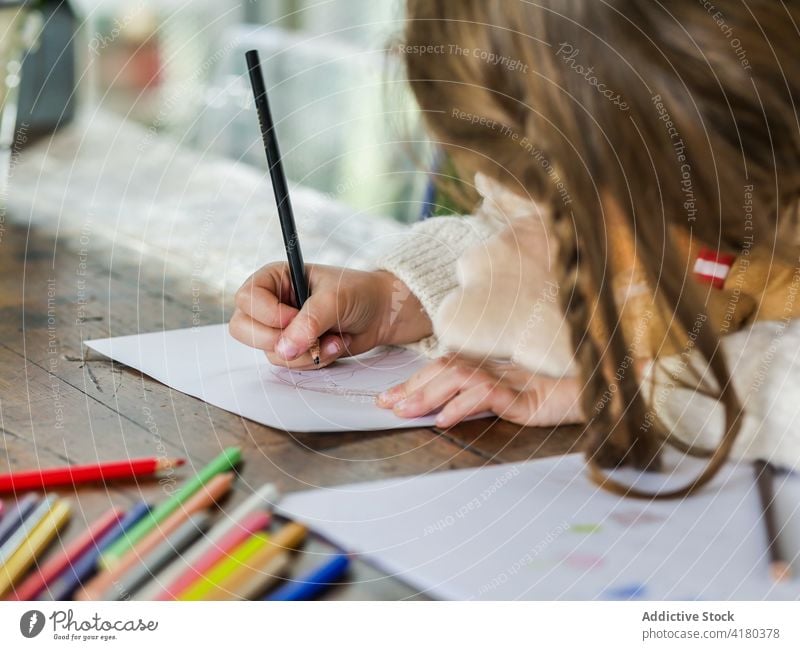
(405, 321)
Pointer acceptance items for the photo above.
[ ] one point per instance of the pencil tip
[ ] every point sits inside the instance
(316, 361)
(780, 571)
(169, 463)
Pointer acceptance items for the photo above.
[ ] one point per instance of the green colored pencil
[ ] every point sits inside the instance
(222, 463)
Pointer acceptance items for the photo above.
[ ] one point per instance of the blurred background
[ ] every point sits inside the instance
(344, 115)
(135, 119)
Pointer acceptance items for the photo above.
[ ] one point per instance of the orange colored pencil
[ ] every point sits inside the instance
(50, 570)
(40, 479)
(204, 498)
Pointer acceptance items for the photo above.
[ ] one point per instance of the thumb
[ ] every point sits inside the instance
(317, 316)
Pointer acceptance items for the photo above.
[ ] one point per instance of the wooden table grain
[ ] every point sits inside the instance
(60, 403)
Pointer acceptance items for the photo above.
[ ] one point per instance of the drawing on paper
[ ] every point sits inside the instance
(583, 561)
(363, 377)
(585, 529)
(630, 518)
(631, 591)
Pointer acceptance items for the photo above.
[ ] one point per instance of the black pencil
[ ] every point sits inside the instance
(779, 568)
(291, 241)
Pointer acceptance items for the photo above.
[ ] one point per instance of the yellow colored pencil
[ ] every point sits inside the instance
(217, 574)
(39, 538)
(251, 566)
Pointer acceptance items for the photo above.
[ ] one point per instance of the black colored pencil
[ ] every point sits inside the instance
(291, 241)
(780, 569)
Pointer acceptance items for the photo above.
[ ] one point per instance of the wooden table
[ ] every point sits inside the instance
(61, 407)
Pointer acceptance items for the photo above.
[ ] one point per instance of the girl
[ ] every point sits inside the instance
(639, 163)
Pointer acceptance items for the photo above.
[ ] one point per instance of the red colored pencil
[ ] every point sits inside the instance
(53, 568)
(76, 474)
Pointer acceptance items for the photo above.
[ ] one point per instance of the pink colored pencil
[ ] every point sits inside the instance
(254, 522)
(50, 570)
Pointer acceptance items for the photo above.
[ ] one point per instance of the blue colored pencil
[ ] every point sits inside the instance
(86, 565)
(13, 518)
(310, 585)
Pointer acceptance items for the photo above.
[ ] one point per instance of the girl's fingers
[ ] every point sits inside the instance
(251, 332)
(441, 388)
(390, 397)
(477, 399)
(462, 390)
(537, 405)
(318, 315)
(264, 306)
(332, 347)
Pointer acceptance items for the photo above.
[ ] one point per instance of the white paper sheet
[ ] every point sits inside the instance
(206, 362)
(542, 530)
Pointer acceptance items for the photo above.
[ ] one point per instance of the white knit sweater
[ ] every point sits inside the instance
(458, 266)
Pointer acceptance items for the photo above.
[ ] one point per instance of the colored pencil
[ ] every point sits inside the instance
(291, 240)
(261, 500)
(780, 569)
(86, 565)
(249, 568)
(250, 525)
(77, 474)
(53, 568)
(266, 566)
(204, 498)
(206, 586)
(16, 539)
(311, 584)
(16, 514)
(40, 537)
(254, 581)
(226, 461)
(159, 557)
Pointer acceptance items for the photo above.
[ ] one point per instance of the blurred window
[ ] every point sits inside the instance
(346, 121)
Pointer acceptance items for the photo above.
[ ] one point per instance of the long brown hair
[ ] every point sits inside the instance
(666, 112)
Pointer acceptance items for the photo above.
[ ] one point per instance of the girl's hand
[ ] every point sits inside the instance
(462, 388)
(348, 311)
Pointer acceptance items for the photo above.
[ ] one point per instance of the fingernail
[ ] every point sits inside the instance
(286, 349)
(389, 396)
(331, 348)
(407, 406)
(441, 420)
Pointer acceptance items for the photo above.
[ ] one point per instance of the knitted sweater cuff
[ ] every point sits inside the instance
(426, 262)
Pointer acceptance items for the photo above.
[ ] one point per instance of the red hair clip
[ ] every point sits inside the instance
(712, 267)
